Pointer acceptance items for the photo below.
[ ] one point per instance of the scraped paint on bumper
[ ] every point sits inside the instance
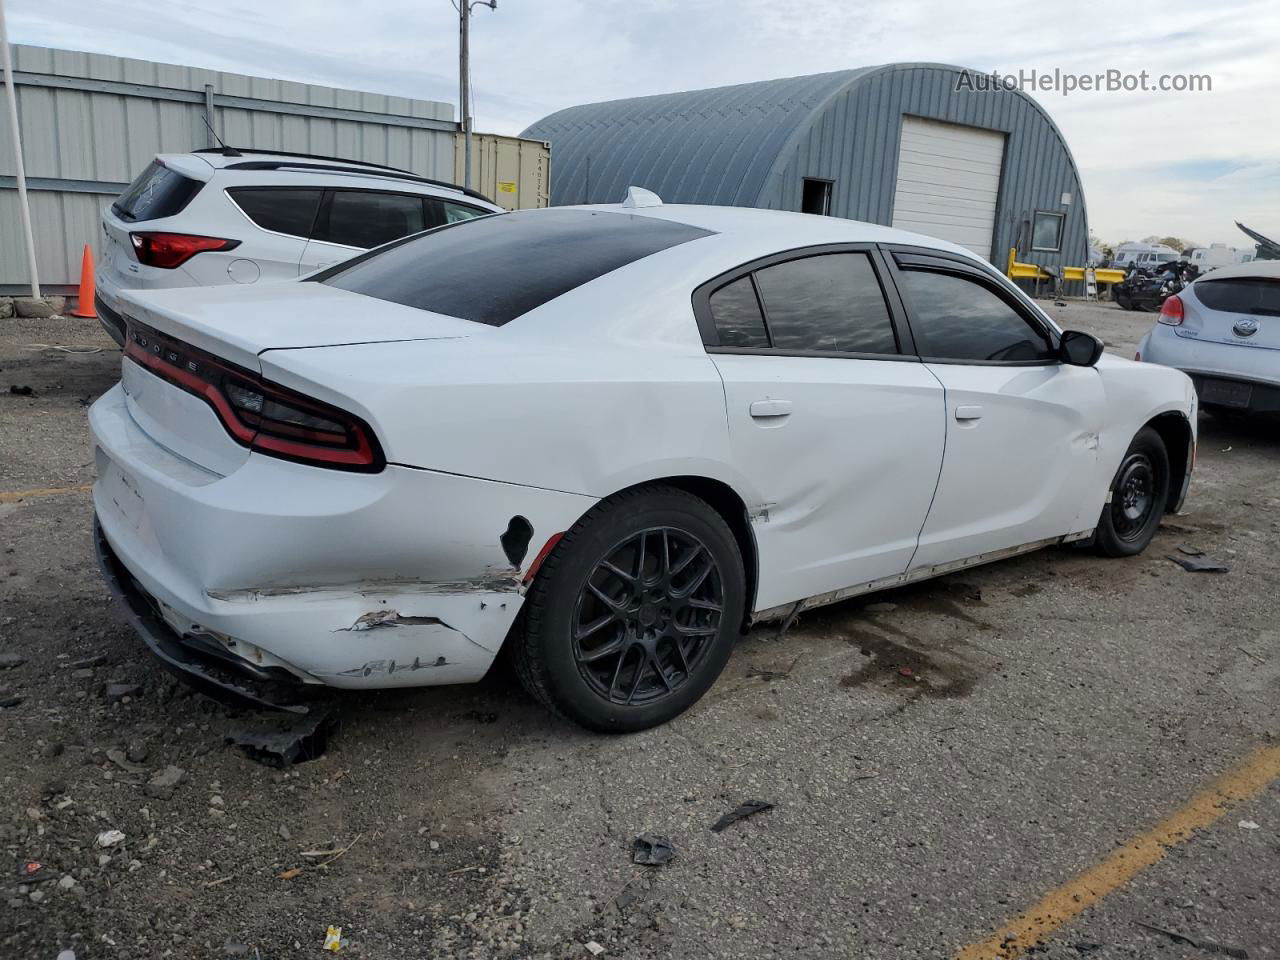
(399, 578)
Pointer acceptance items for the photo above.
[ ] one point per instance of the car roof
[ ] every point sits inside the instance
(248, 161)
(1262, 269)
(785, 229)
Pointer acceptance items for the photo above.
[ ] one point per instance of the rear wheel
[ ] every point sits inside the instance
(635, 612)
(1139, 493)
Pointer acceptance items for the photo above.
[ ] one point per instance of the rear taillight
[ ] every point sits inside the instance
(258, 414)
(1171, 312)
(169, 250)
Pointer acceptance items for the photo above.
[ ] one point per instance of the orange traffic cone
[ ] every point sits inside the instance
(84, 304)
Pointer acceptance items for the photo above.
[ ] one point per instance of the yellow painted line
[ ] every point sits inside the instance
(1248, 778)
(43, 492)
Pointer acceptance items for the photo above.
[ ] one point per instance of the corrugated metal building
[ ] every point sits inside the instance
(910, 144)
(91, 123)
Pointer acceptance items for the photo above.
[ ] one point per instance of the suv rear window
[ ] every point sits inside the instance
(494, 269)
(156, 192)
(290, 210)
(1241, 295)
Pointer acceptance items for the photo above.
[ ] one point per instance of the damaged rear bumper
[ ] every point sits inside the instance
(407, 577)
(241, 684)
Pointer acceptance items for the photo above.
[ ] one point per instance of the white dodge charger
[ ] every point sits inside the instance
(607, 437)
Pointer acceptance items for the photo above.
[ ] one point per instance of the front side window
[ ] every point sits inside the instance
(290, 210)
(831, 302)
(957, 318)
(1046, 231)
(361, 218)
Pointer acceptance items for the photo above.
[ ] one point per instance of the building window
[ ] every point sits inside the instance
(1046, 231)
(816, 197)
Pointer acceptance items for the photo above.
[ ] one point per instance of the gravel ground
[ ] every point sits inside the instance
(1058, 704)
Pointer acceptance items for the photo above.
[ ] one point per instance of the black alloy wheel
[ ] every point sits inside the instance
(647, 615)
(635, 612)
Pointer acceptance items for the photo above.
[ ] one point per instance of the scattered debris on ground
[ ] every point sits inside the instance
(281, 741)
(652, 850)
(1199, 564)
(768, 676)
(741, 812)
(1208, 946)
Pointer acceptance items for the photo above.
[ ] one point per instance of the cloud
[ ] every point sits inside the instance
(531, 57)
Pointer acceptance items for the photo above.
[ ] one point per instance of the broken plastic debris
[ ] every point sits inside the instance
(741, 812)
(1208, 946)
(30, 870)
(1247, 825)
(1191, 551)
(594, 948)
(109, 838)
(1199, 564)
(652, 850)
(283, 741)
(333, 940)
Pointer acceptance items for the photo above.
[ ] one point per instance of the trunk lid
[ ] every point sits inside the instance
(236, 325)
(1242, 311)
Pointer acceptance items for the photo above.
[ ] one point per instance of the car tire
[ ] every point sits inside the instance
(1139, 493)
(619, 639)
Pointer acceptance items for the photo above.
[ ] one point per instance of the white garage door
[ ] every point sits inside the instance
(948, 177)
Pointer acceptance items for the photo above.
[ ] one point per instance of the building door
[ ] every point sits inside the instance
(948, 181)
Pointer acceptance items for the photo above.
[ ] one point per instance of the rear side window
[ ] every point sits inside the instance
(358, 218)
(156, 192)
(955, 318)
(494, 269)
(829, 303)
(1241, 295)
(290, 210)
(737, 315)
(453, 212)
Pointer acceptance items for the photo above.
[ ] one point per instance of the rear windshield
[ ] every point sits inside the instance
(156, 192)
(1241, 295)
(494, 269)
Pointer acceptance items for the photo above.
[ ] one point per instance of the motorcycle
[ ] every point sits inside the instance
(1146, 289)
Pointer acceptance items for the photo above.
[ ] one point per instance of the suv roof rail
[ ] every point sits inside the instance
(352, 166)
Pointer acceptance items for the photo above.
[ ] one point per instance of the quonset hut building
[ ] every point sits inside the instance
(919, 146)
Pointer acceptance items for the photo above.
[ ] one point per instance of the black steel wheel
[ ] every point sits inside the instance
(1139, 495)
(635, 612)
(647, 615)
(1133, 497)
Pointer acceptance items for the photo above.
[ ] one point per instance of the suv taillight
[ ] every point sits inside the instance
(1171, 312)
(258, 414)
(170, 250)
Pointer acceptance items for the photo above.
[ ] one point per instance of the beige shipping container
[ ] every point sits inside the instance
(514, 173)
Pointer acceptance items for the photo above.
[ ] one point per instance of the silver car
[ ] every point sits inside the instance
(1224, 331)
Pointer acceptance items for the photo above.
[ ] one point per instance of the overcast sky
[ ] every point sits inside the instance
(1184, 164)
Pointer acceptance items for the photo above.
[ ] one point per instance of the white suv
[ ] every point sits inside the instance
(228, 215)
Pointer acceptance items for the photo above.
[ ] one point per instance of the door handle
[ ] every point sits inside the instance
(969, 413)
(764, 409)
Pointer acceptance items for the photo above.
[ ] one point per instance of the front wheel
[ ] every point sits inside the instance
(634, 614)
(1139, 494)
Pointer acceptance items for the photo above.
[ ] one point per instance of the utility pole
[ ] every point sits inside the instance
(464, 78)
(23, 208)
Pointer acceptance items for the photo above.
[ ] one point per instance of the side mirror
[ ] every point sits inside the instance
(1079, 349)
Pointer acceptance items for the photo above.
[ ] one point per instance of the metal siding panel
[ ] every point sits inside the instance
(107, 136)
